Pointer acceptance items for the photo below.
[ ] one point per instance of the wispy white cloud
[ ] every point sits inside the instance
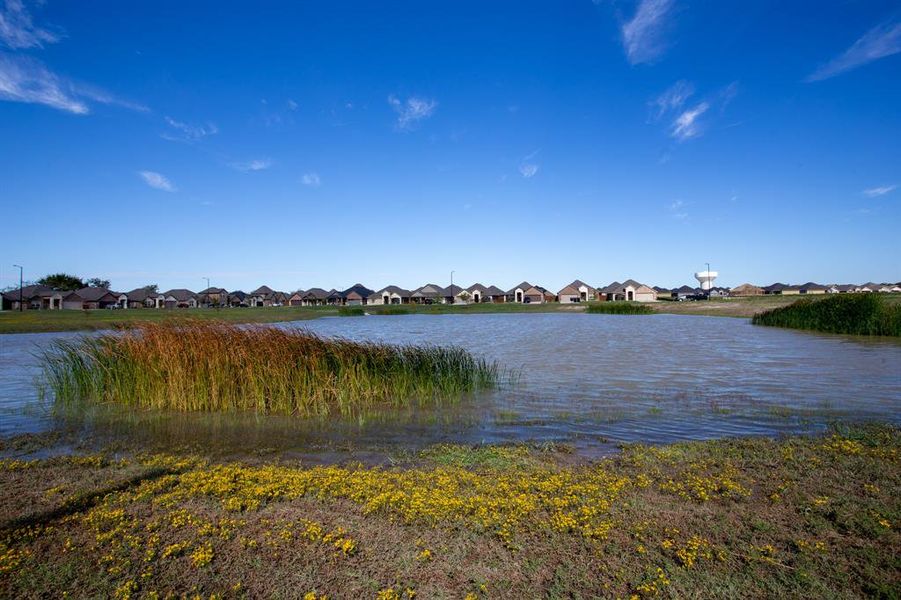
(17, 31)
(643, 34)
(412, 110)
(881, 190)
(311, 179)
(24, 79)
(259, 164)
(157, 181)
(686, 125)
(879, 42)
(184, 132)
(528, 170)
(672, 99)
(677, 210)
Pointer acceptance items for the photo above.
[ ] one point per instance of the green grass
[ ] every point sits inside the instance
(620, 308)
(855, 314)
(32, 321)
(213, 366)
(351, 311)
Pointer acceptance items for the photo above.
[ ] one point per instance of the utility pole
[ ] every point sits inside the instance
(452, 287)
(20, 286)
(207, 289)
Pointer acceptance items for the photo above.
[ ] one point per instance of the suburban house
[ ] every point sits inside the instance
(774, 289)
(812, 288)
(335, 298)
(686, 292)
(428, 294)
(237, 298)
(718, 292)
(212, 296)
(296, 299)
(630, 291)
(265, 296)
(179, 298)
(477, 293)
(661, 291)
(144, 298)
(577, 291)
(34, 297)
(746, 289)
(314, 297)
(390, 295)
(357, 295)
(89, 298)
(526, 293)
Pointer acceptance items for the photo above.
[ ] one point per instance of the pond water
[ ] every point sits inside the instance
(589, 381)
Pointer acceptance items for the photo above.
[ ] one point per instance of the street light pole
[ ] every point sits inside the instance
(20, 286)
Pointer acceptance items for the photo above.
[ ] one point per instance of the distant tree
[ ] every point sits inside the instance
(62, 281)
(152, 288)
(97, 282)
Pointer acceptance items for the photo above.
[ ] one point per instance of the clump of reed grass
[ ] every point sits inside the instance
(215, 366)
(351, 311)
(619, 308)
(855, 314)
(392, 310)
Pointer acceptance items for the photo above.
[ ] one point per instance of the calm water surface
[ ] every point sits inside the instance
(591, 381)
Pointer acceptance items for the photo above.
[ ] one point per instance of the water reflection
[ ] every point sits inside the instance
(591, 381)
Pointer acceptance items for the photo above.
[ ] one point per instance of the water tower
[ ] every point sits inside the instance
(705, 278)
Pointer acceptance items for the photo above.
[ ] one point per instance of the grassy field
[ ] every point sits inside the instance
(800, 517)
(30, 321)
(72, 320)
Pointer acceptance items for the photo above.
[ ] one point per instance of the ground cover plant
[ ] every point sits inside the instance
(856, 314)
(195, 365)
(619, 308)
(813, 517)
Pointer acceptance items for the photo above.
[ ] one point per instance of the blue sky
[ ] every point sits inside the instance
(304, 144)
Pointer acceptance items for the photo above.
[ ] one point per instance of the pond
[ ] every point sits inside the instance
(588, 381)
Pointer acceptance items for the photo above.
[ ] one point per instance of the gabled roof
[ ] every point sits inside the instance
(493, 290)
(452, 290)
(263, 290)
(812, 286)
(522, 286)
(31, 291)
(477, 287)
(775, 287)
(91, 294)
(180, 294)
(612, 288)
(391, 289)
(360, 289)
(212, 290)
(685, 289)
(238, 294)
(141, 294)
(429, 290)
(316, 294)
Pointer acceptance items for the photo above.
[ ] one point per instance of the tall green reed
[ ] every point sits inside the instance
(214, 366)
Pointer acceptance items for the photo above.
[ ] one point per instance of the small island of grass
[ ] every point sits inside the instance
(214, 366)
